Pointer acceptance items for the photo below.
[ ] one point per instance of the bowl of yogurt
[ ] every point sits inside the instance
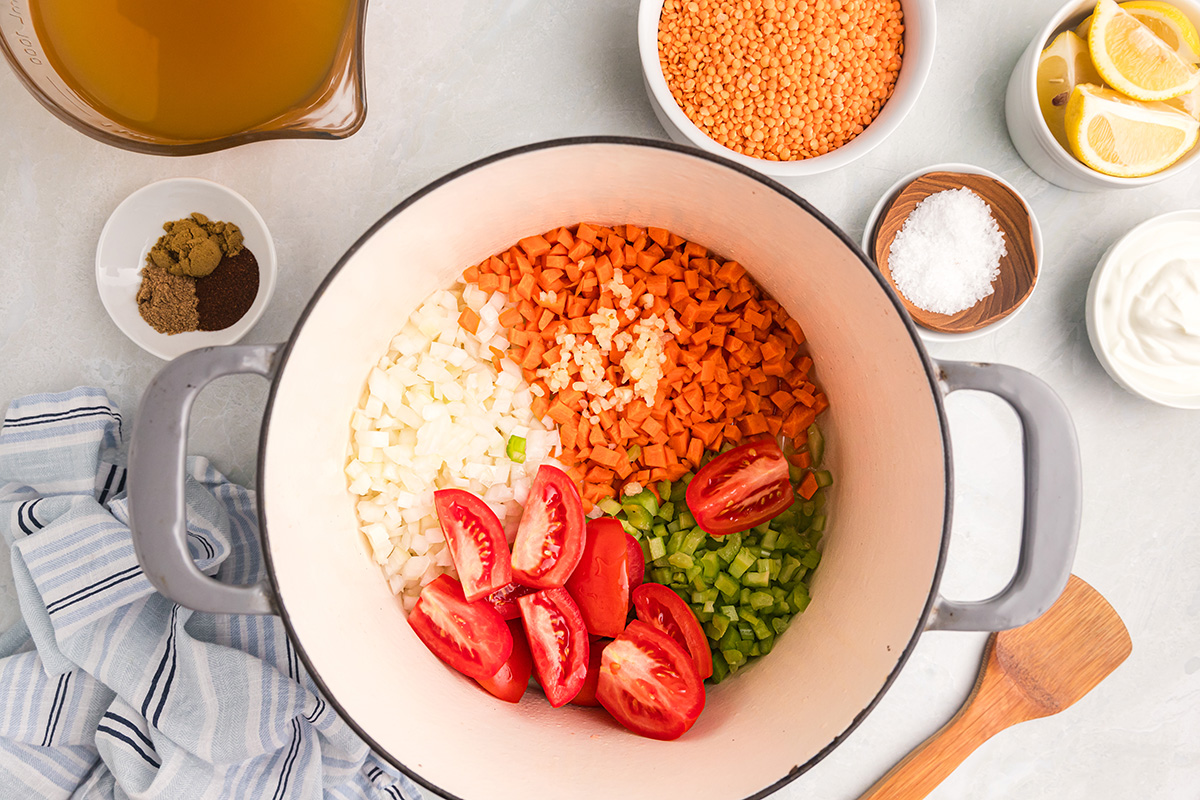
(1143, 310)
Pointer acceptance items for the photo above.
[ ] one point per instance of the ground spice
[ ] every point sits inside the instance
(227, 293)
(194, 245)
(167, 302)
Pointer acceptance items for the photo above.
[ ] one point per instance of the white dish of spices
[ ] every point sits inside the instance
(136, 225)
(966, 246)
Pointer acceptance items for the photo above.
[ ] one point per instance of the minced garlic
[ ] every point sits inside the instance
(642, 351)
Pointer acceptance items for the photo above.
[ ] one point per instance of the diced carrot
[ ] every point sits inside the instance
(797, 420)
(808, 486)
(570, 396)
(783, 400)
(654, 429)
(539, 406)
(774, 424)
(754, 424)
(586, 232)
(489, 283)
(598, 474)
(535, 246)
(606, 457)
(658, 285)
(469, 320)
(526, 286)
(532, 359)
(559, 411)
(580, 250)
(695, 451)
(509, 317)
(802, 459)
(654, 456)
(547, 278)
(679, 443)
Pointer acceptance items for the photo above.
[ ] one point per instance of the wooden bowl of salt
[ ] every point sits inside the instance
(1018, 267)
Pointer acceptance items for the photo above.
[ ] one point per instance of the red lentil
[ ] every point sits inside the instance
(782, 80)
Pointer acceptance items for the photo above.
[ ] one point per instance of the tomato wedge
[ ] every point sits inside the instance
(741, 488)
(476, 541)
(600, 584)
(549, 540)
(637, 562)
(512, 679)
(587, 692)
(649, 683)
(661, 608)
(504, 599)
(558, 642)
(471, 637)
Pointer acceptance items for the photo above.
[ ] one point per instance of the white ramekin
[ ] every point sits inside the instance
(1029, 132)
(1095, 313)
(920, 32)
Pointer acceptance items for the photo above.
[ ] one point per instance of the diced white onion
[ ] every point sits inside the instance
(439, 415)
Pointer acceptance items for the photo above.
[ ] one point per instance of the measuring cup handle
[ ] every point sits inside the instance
(1053, 500)
(158, 466)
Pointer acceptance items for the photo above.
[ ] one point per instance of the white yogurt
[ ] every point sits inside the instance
(1146, 309)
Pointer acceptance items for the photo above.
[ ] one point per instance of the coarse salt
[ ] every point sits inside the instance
(948, 252)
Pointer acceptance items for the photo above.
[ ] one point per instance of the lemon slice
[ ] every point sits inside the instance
(1083, 28)
(1134, 61)
(1169, 24)
(1062, 65)
(1166, 21)
(1187, 103)
(1118, 136)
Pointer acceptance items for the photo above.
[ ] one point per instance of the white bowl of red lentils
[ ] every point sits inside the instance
(786, 87)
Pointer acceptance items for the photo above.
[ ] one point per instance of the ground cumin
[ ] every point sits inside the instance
(194, 245)
(167, 302)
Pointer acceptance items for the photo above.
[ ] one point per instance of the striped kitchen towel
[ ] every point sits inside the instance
(110, 690)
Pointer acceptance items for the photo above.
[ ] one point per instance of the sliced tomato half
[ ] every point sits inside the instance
(550, 537)
(587, 692)
(476, 541)
(741, 488)
(471, 637)
(660, 607)
(600, 584)
(504, 599)
(558, 641)
(637, 562)
(512, 679)
(649, 683)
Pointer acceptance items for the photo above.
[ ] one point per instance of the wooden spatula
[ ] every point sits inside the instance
(1028, 672)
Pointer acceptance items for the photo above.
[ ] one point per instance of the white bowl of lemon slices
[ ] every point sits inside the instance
(1107, 95)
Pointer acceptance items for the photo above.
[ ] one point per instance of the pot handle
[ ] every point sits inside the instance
(157, 467)
(1053, 500)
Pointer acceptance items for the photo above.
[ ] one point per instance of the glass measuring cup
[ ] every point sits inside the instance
(335, 110)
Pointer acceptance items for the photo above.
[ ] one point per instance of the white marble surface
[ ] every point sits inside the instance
(454, 80)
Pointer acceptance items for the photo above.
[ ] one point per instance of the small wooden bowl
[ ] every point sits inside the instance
(1018, 267)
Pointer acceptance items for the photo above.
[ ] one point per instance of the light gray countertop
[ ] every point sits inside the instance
(452, 81)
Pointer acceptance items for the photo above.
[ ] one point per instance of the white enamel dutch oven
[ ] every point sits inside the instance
(876, 589)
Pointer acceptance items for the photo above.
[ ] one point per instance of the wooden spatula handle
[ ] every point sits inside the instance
(933, 760)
